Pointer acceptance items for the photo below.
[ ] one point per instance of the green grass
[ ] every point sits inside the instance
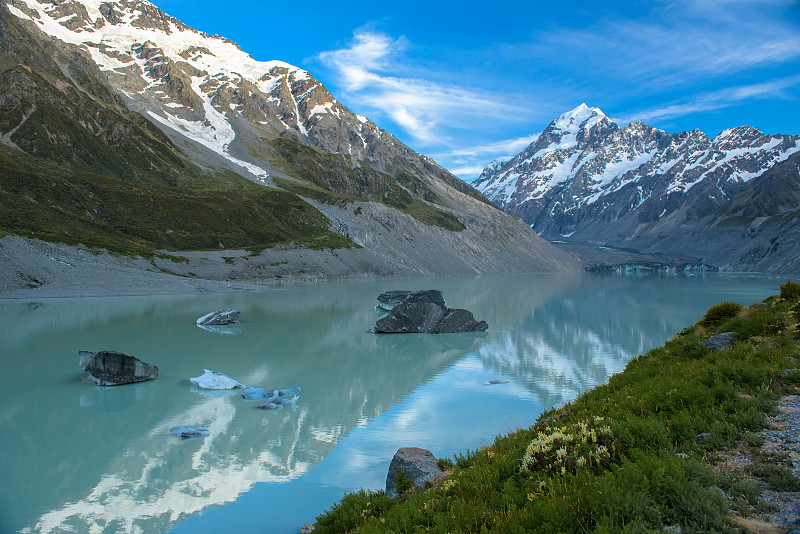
(650, 473)
(333, 179)
(41, 200)
(88, 170)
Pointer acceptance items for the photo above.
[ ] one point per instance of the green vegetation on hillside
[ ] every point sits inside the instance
(633, 455)
(85, 169)
(39, 199)
(335, 178)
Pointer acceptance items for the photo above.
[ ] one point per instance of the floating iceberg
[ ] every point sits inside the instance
(252, 393)
(220, 317)
(257, 393)
(215, 380)
(277, 402)
(111, 368)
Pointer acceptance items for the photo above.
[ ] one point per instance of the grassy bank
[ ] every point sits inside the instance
(634, 455)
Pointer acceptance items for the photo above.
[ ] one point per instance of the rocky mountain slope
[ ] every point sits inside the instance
(124, 128)
(732, 201)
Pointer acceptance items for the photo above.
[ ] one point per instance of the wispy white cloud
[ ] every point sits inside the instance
(661, 61)
(371, 69)
(672, 47)
(468, 173)
(505, 146)
(715, 100)
(467, 162)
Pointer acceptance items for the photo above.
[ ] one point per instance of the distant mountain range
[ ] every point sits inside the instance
(122, 127)
(732, 201)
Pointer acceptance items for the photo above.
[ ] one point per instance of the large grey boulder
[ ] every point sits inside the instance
(390, 299)
(419, 466)
(426, 317)
(220, 317)
(718, 342)
(111, 368)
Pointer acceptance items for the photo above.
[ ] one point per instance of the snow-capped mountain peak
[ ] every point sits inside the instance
(581, 118)
(199, 86)
(584, 167)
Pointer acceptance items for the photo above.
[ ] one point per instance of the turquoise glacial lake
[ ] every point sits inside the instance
(77, 457)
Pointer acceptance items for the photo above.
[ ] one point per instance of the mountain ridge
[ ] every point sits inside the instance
(115, 110)
(588, 179)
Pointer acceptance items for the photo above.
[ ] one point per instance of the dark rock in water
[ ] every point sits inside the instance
(390, 299)
(424, 317)
(220, 317)
(394, 297)
(419, 465)
(458, 320)
(187, 431)
(495, 382)
(413, 318)
(426, 295)
(718, 342)
(110, 368)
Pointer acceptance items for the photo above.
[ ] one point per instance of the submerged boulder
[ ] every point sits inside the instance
(215, 380)
(220, 317)
(277, 402)
(188, 431)
(388, 300)
(418, 466)
(111, 368)
(425, 317)
(252, 393)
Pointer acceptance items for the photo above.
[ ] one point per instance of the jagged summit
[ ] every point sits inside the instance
(585, 178)
(184, 79)
(113, 95)
(581, 118)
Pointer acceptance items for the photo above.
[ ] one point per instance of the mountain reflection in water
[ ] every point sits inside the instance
(78, 457)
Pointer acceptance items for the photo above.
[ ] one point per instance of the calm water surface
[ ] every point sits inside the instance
(75, 457)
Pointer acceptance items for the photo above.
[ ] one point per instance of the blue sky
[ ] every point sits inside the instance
(467, 82)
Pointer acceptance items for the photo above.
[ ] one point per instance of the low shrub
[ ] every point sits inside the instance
(583, 445)
(719, 312)
(790, 290)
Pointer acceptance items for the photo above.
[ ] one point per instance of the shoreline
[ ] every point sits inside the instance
(698, 435)
(34, 269)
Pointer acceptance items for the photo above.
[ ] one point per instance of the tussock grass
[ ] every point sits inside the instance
(651, 472)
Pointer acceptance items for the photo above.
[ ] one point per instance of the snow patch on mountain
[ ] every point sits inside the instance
(583, 164)
(146, 50)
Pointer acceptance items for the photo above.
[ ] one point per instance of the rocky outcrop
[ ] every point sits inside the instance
(111, 368)
(424, 317)
(390, 299)
(220, 317)
(418, 466)
(718, 342)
